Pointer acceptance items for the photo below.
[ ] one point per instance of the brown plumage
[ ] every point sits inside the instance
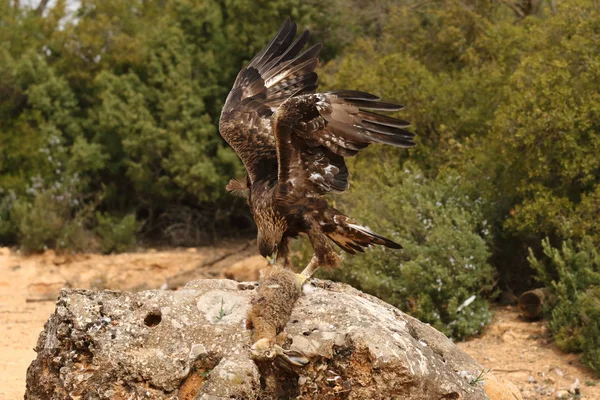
(293, 141)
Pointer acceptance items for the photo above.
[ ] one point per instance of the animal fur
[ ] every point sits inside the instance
(271, 308)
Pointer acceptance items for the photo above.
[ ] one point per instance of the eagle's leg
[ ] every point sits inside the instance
(311, 268)
(325, 255)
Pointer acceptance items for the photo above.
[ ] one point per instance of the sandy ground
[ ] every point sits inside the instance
(516, 350)
(522, 352)
(29, 286)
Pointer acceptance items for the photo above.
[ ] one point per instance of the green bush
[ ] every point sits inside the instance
(8, 229)
(442, 275)
(540, 157)
(52, 220)
(116, 234)
(510, 103)
(546, 136)
(572, 273)
(40, 224)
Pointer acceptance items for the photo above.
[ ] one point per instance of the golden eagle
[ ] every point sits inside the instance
(293, 141)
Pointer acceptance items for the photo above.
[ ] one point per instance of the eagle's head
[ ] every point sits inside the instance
(271, 228)
(268, 248)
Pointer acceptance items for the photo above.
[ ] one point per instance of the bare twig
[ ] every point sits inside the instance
(39, 299)
(523, 8)
(508, 371)
(517, 10)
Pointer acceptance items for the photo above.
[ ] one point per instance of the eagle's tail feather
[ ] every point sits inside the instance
(352, 237)
(369, 237)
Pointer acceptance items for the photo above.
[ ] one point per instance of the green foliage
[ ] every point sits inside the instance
(509, 103)
(40, 224)
(547, 135)
(8, 229)
(431, 57)
(54, 219)
(442, 275)
(122, 97)
(116, 234)
(572, 272)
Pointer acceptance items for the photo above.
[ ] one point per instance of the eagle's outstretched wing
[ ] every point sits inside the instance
(274, 75)
(314, 133)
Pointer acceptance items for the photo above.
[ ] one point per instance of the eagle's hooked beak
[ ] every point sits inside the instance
(272, 258)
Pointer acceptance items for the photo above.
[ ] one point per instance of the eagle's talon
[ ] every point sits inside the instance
(301, 280)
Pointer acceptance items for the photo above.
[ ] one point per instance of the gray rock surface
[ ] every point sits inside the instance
(192, 344)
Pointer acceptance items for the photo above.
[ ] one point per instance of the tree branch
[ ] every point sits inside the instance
(41, 7)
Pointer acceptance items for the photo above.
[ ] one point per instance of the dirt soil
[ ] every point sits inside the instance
(516, 350)
(522, 352)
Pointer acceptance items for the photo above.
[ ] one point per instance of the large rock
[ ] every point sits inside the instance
(192, 344)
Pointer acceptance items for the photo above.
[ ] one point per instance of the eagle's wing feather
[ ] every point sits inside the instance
(316, 131)
(275, 74)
